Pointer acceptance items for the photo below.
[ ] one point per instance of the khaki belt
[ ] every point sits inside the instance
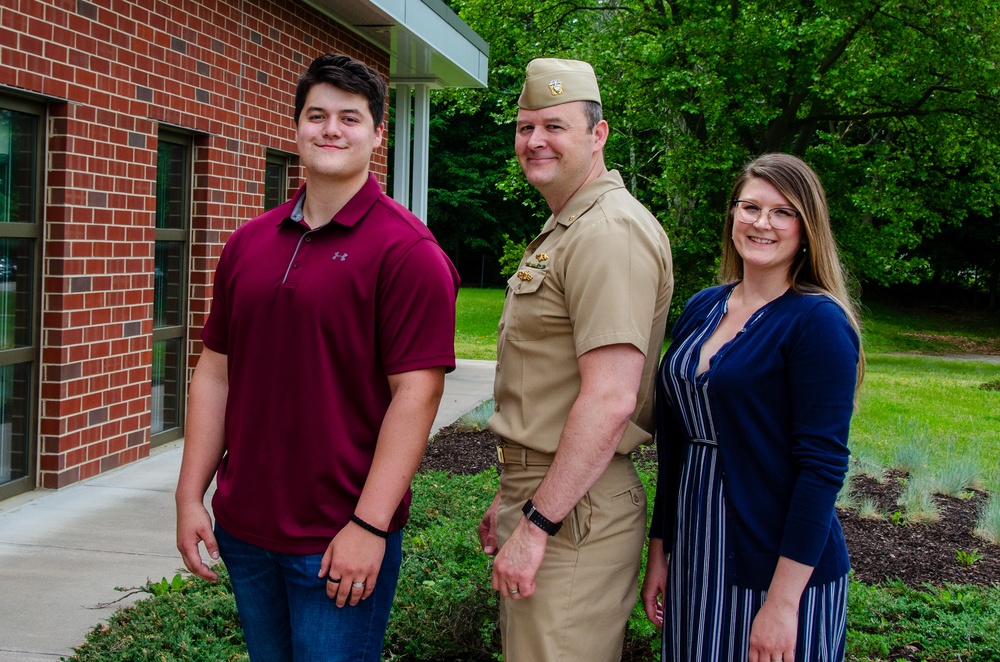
(509, 453)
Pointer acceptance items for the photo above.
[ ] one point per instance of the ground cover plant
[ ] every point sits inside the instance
(918, 593)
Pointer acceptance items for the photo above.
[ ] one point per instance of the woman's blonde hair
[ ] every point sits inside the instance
(817, 269)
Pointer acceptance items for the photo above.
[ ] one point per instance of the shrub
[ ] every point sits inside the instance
(911, 454)
(936, 623)
(865, 465)
(957, 475)
(513, 253)
(988, 522)
(846, 499)
(445, 607)
(475, 419)
(868, 509)
(917, 500)
(193, 620)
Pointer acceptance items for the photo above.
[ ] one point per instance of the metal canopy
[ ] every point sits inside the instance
(427, 42)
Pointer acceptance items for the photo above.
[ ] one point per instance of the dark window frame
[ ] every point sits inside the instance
(178, 331)
(30, 352)
(284, 162)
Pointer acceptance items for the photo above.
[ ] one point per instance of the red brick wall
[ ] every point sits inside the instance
(225, 71)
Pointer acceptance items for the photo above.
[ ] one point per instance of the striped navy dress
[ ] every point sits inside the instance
(704, 619)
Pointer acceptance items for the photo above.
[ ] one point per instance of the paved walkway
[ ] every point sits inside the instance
(63, 553)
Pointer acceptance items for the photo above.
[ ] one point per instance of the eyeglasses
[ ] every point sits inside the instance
(778, 217)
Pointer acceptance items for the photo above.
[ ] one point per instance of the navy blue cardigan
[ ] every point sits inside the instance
(782, 394)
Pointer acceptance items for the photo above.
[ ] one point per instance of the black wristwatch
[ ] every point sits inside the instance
(540, 520)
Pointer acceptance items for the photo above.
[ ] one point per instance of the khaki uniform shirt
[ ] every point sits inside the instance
(598, 274)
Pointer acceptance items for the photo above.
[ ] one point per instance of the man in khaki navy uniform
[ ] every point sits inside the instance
(579, 341)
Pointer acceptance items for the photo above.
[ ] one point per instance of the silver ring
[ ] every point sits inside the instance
(362, 585)
(514, 591)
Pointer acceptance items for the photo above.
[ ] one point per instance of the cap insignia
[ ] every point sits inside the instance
(555, 87)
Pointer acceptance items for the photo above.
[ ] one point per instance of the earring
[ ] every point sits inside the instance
(804, 249)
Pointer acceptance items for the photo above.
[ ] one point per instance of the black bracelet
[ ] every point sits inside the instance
(368, 527)
(540, 520)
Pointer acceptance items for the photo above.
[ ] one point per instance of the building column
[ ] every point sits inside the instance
(421, 150)
(410, 172)
(401, 147)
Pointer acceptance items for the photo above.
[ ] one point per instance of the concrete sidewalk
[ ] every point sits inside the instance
(63, 553)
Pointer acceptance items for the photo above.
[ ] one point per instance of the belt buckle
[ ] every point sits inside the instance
(500, 454)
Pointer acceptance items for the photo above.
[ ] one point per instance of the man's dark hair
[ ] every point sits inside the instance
(594, 114)
(347, 74)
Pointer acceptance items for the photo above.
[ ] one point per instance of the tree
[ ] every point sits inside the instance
(894, 102)
(466, 212)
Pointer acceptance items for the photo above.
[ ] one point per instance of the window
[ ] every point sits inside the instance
(173, 204)
(275, 180)
(20, 232)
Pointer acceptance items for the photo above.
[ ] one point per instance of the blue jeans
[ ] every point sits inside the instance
(286, 615)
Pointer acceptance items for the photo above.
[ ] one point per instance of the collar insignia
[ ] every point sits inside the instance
(541, 257)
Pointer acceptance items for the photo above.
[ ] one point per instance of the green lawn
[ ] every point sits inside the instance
(905, 400)
(891, 328)
(934, 403)
(478, 315)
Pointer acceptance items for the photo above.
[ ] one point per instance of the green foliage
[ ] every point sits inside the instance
(903, 134)
(917, 499)
(476, 418)
(957, 475)
(467, 212)
(184, 620)
(845, 499)
(446, 610)
(445, 607)
(936, 623)
(866, 465)
(868, 509)
(911, 455)
(968, 558)
(165, 586)
(513, 253)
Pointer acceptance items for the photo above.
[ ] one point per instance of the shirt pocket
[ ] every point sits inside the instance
(527, 294)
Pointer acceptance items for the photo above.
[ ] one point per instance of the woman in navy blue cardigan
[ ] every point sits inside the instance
(747, 561)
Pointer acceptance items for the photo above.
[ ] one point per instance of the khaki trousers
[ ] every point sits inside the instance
(587, 584)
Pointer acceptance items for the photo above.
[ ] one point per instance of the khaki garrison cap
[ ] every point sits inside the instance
(550, 82)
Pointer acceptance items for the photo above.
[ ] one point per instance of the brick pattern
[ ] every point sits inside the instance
(224, 71)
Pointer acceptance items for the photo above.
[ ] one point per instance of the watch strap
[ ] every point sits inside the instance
(540, 520)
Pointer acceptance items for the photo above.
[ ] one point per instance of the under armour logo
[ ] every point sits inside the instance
(340, 256)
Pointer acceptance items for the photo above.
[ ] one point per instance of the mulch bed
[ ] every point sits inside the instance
(880, 549)
(917, 553)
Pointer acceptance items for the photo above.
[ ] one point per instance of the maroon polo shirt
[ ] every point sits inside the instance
(312, 322)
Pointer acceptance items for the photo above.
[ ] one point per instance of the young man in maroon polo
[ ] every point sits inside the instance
(331, 329)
